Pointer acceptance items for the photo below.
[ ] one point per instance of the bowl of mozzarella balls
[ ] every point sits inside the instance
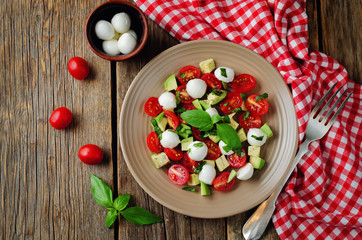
(116, 30)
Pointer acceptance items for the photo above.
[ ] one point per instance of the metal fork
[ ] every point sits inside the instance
(317, 127)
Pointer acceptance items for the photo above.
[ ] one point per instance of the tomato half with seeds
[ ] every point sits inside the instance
(184, 96)
(172, 119)
(153, 107)
(212, 81)
(257, 104)
(243, 83)
(231, 101)
(174, 154)
(188, 106)
(188, 163)
(213, 150)
(249, 120)
(153, 143)
(221, 182)
(187, 73)
(178, 174)
(237, 161)
(197, 133)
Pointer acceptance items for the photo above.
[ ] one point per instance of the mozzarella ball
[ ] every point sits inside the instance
(196, 88)
(197, 150)
(104, 30)
(207, 174)
(167, 100)
(121, 22)
(133, 33)
(221, 145)
(126, 43)
(170, 139)
(256, 137)
(224, 74)
(245, 172)
(212, 111)
(110, 47)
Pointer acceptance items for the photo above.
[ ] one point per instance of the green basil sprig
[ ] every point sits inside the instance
(229, 136)
(199, 119)
(103, 195)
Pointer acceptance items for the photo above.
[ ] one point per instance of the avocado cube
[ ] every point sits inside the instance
(205, 104)
(207, 66)
(210, 162)
(257, 162)
(171, 83)
(242, 135)
(243, 107)
(214, 138)
(254, 151)
(185, 143)
(159, 159)
(233, 123)
(205, 190)
(222, 163)
(267, 130)
(193, 180)
(197, 104)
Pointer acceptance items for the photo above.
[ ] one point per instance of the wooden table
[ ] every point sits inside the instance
(45, 189)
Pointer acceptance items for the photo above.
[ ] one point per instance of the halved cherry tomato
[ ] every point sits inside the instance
(153, 107)
(236, 160)
(231, 101)
(174, 154)
(187, 73)
(188, 106)
(189, 164)
(221, 182)
(178, 174)
(252, 121)
(212, 81)
(213, 150)
(78, 68)
(172, 119)
(258, 107)
(61, 118)
(243, 83)
(153, 142)
(184, 96)
(197, 133)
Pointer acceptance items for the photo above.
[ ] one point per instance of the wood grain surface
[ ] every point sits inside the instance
(44, 188)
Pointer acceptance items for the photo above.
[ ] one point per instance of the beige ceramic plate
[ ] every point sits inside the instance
(278, 151)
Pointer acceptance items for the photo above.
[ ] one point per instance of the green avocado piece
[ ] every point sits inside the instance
(257, 162)
(159, 159)
(267, 130)
(197, 104)
(185, 143)
(171, 83)
(205, 104)
(214, 98)
(161, 121)
(205, 190)
(231, 176)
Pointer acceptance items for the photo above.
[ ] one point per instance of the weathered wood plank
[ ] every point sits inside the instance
(45, 189)
(312, 13)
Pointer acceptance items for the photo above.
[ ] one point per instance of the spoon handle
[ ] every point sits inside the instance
(257, 223)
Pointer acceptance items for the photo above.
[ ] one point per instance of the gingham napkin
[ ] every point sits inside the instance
(322, 199)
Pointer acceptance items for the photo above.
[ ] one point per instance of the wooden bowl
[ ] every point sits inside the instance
(106, 11)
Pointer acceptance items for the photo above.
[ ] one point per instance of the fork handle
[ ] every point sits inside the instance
(256, 224)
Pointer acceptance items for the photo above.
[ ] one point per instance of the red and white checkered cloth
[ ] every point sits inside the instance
(322, 199)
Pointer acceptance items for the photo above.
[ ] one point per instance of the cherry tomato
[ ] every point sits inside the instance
(212, 81)
(188, 106)
(255, 106)
(197, 133)
(221, 182)
(61, 118)
(90, 154)
(78, 68)
(172, 119)
(236, 160)
(243, 83)
(187, 73)
(184, 96)
(188, 163)
(213, 150)
(178, 174)
(174, 154)
(231, 101)
(252, 121)
(153, 143)
(153, 107)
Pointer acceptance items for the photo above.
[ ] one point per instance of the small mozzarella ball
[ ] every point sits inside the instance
(133, 33)
(104, 30)
(212, 111)
(169, 139)
(221, 146)
(121, 22)
(224, 74)
(245, 172)
(254, 134)
(110, 47)
(196, 88)
(167, 100)
(126, 43)
(207, 174)
(197, 151)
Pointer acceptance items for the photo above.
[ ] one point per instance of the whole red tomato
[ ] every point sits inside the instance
(90, 154)
(78, 68)
(61, 118)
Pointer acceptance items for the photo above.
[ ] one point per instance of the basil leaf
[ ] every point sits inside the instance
(236, 110)
(217, 92)
(140, 216)
(121, 201)
(101, 192)
(157, 128)
(178, 98)
(226, 119)
(216, 118)
(189, 189)
(198, 118)
(198, 145)
(243, 96)
(111, 217)
(198, 169)
(223, 72)
(226, 148)
(246, 115)
(229, 136)
(260, 97)
(182, 75)
(258, 138)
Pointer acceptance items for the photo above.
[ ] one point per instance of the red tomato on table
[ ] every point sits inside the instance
(90, 154)
(153, 107)
(243, 83)
(78, 68)
(187, 73)
(61, 118)
(221, 182)
(178, 174)
(230, 102)
(256, 106)
(153, 143)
